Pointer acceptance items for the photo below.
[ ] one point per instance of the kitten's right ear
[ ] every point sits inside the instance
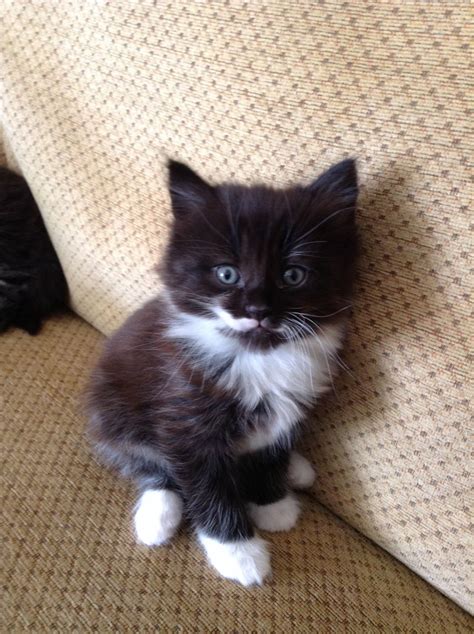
(189, 192)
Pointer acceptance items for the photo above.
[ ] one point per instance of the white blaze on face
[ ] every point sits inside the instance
(242, 324)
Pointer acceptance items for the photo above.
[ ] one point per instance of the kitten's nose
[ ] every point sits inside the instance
(257, 311)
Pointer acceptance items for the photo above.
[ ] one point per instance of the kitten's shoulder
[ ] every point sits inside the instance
(142, 328)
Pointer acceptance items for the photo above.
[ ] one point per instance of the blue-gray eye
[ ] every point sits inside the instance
(294, 275)
(227, 274)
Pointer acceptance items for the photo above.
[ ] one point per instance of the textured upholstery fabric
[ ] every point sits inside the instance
(96, 95)
(71, 563)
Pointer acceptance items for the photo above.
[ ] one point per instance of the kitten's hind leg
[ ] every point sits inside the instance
(301, 474)
(157, 516)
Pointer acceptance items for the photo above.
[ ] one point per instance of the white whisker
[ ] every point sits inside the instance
(336, 312)
(324, 220)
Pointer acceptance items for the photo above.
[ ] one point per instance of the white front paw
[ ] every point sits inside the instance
(301, 474)
(279, 516)
(246, 561)
(157, 516)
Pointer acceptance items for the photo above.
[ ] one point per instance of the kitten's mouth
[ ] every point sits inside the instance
(256, 333)
(261, 333)
(262, 337)
(262, 327)
(261, 330)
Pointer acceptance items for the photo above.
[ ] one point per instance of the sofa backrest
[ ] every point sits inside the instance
(96, 96)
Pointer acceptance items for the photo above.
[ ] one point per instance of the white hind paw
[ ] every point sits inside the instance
(301, 474)
(278, 516)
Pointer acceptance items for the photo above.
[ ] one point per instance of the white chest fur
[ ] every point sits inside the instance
(285, 378)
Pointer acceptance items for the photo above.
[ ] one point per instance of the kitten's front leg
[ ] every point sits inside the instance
(224, 529)
(157, 516)
(264, 478)
(159, 509)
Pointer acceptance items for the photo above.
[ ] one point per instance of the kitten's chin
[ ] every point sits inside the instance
(249, 331)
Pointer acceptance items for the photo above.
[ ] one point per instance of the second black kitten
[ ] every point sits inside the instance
(32, 282)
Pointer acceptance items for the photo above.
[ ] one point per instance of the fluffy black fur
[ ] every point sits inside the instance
(32, 282)
(157, 412)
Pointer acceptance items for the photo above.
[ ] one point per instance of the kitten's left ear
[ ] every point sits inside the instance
(336, 191)
(189, 192)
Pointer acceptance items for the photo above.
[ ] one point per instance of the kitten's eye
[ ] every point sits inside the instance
(294, 276)
(227, 274)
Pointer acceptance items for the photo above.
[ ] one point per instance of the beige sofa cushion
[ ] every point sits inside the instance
(96, 95)
(70, 561)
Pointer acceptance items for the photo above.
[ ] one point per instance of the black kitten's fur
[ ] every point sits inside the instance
(32, 282)
(175, 401)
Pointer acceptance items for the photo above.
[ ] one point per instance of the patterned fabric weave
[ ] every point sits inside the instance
(97, 94)
(70, 562)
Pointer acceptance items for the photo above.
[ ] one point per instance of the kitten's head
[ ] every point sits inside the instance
(269, 265)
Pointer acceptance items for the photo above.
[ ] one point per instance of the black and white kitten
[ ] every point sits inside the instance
(32, 282)
(200, 395)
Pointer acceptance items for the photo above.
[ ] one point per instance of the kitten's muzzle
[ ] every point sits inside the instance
(257, 326)
(266, 324)
(257, 311)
